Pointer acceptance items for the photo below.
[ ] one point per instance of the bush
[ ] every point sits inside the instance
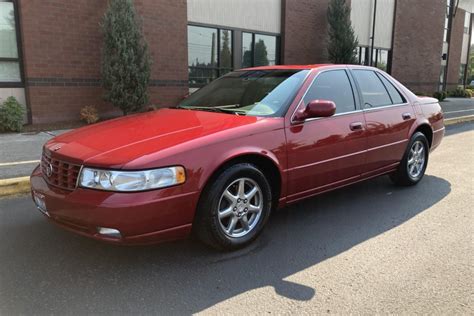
(89, 114)
(459, 93)
(440, 95)
(11, 115)
(470, 93)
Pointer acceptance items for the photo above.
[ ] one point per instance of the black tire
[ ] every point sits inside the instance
(402, 176)
(206, 224)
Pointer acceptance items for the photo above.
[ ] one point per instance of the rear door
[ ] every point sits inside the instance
(326, 152)
(388, 117)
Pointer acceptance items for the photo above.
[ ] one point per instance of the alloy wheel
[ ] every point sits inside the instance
(240, 207)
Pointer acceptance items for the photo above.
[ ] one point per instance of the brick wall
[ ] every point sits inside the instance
(455, 49)
(62, 44)
(304, 31)
(417, 43)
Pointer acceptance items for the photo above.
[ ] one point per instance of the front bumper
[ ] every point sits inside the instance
(141, 217)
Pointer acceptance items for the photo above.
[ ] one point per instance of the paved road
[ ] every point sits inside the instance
(456, 107)
(370, 248)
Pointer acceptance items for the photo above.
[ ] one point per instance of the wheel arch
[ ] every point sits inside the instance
(426, 129)
(268, 164)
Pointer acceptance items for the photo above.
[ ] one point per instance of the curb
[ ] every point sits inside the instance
(22, 184)
(14, 186)
(457, 120)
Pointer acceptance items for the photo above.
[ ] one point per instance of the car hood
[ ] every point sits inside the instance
(114, 143)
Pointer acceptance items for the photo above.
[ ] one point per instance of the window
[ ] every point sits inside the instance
(259, 50)
(9, 53)
(467, 22)
(209, 54)
(253, 93)
(372, 89)
(363, 55)
(333, 86)
(462, 72)
(395, 95)
(380, 58)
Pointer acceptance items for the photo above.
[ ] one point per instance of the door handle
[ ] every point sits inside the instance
(356, 126)
(406, 116)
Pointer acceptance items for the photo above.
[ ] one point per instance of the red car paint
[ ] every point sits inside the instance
(312, 157)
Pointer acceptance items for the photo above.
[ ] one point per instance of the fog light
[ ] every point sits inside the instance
(109, 232)
(40, 203)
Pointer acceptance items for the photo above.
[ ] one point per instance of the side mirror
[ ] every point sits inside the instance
(316, 108)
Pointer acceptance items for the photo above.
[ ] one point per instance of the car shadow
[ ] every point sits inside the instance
(52, 271)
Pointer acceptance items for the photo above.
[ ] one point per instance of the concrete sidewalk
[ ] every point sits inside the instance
(21, 152)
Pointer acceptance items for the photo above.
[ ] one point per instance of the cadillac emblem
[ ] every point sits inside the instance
(49, 170)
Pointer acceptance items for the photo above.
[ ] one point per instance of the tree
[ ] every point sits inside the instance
(125, 59)
(342, 41)
(225, 54)
(261, 54)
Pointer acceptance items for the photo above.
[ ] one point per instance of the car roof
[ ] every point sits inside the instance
(296, 67)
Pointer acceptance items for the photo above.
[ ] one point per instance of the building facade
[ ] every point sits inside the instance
(50, 50)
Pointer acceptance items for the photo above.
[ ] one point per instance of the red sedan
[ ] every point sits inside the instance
(220, 162)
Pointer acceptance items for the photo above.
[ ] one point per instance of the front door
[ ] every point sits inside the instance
(327, 152)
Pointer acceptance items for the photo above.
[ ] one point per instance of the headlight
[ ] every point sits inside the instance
(130, 181)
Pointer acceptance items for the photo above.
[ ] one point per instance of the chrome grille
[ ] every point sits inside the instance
(61, 174)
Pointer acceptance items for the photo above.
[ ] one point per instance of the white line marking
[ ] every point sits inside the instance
(4, 164)
(471, 110)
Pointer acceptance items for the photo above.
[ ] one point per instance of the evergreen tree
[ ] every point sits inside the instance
(225, 54)
(342, 41)
(125, 59)
(261, 54)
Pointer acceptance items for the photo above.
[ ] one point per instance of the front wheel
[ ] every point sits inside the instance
(234, 208)
(415, 160)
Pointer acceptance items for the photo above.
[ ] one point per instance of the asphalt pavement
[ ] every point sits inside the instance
(371, 248)
(455, 107)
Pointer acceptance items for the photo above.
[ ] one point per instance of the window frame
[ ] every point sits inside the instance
(356, 106)
(218, 70)
(376, 73)
(388, 78)
(253, 34)
(355, 92)
(19, 59)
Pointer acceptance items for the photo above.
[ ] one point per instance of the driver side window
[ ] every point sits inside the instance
(334, 86)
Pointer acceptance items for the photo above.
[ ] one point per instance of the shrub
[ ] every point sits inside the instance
(89, 114)
(125, 60)
(11, 115)
(440, 95)
(470, 93)
(459, 93)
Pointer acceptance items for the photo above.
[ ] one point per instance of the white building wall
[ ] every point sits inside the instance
(362, 12)
(261, 15)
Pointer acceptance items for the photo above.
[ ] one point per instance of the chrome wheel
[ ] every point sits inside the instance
(416, 159)
(240, 207)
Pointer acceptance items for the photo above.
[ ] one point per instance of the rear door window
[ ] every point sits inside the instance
(333, 85)
(396, 97)
(373, 91)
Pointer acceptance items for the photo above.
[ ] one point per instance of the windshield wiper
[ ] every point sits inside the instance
(213, 109)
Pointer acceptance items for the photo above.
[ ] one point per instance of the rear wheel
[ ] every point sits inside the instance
(413, 165)
(234, 208)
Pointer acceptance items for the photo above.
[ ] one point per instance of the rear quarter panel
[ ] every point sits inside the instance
(429, 112)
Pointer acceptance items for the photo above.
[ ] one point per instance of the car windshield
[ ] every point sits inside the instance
(253, 93)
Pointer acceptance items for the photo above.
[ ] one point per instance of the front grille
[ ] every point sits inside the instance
(59, 173)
